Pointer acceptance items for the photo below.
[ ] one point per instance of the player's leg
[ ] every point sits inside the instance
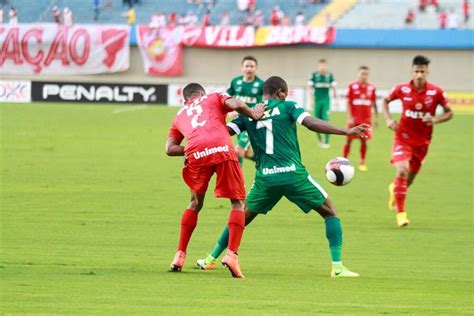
(347, 147)
(309, 195)
(318, 114)
(243, 142)
(400, 189)
(325, 117)
(197, 178)
(230, 184)
(260, 200)
(188, 224)
(363, 154)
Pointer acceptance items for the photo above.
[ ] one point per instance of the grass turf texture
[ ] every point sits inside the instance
(91, 208)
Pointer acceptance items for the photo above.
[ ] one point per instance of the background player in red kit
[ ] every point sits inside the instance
(201, 121)
(413, 133)
(361, 98)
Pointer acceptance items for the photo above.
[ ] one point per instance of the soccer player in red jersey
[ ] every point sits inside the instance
(202, 122)
(420, 99)
(361, 97)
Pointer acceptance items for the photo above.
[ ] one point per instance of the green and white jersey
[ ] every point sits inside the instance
(321, 84)
(275, 142)
(250, 92)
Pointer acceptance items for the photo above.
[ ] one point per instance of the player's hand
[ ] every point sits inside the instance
(359, 130)
(258, 111)
(232, 115)
(430, 120)
(350, 121)
(392, 124)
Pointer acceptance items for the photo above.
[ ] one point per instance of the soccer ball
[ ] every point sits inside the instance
(339, 171)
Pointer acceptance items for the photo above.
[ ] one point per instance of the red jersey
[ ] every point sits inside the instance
(202, 122)
(417, 106)
(361, 97)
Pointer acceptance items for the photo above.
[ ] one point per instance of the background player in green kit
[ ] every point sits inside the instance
(247, 88)
(280, 172)
(321, 82)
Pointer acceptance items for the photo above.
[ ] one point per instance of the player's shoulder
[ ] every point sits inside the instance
(403, 87)
(237, 79)
(354, 85)
(433, 87)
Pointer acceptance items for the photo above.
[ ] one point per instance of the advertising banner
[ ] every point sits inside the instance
(59, 49)
(99, 92)
(162, 48)
(15, 91)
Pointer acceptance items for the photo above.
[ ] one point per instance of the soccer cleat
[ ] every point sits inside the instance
(324, 145)
(208, 263)
(402, 219)
(231, 261)
(391, 198)
(178, 261)
(363, 167)
(339, 271)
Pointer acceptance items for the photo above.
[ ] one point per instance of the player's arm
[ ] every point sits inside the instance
(320, 126)
(391, 123)
(376, 113)
(173, 147)
(446, 116)
(242, 108)
(334, 90)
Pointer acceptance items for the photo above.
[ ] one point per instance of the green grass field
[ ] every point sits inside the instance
(90, 210)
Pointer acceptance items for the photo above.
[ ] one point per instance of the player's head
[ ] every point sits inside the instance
(275, 88)
(363, 74)
(323, 65)
(249, 67)
(193, 90)
(419, 69)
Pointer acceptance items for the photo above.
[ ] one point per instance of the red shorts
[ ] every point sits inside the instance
(415, 154)
(229, 183)
(368, 133)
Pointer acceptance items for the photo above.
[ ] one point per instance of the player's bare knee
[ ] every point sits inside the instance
(195, 203)
(238, 204)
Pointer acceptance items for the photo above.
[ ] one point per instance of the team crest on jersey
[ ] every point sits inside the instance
(428, 100)
(256, 84)
(418, 106)
(431, 92)
(406, 90)
(254, 90)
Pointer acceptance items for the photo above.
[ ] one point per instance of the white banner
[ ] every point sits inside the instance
(15, 91)
(53, 49)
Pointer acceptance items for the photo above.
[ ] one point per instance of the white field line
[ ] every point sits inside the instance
(129, 109)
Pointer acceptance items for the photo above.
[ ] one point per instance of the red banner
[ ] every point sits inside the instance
(53, 49)
(161, 49)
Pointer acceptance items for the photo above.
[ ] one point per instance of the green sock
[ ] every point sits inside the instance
(334, 236)
(241, 160)
(319, 137)
(221, 244)
(326, 138)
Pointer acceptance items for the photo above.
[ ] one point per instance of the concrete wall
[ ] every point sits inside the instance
(451, 69)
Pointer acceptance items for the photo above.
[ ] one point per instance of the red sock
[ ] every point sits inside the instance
(347, 149)
(236, 229)
(401, 188)
(188, 223)
(363, 152)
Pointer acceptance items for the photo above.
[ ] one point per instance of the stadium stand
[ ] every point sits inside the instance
(335, 10)
(111, 10)
(390, 14)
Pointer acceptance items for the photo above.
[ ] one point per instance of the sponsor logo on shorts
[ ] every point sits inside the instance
(210, 151)
(275, 169)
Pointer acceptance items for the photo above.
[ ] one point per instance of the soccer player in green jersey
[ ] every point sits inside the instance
(247, 88)
(321, 82)
(280, 172)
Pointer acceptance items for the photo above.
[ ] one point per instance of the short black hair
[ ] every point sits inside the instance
(363, 68)
(420, 60)
(191, 89)
(323, 61)
(273, 84)
(249, 58)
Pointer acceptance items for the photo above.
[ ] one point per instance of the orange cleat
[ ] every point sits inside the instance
(231, 261)
(178, 261)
